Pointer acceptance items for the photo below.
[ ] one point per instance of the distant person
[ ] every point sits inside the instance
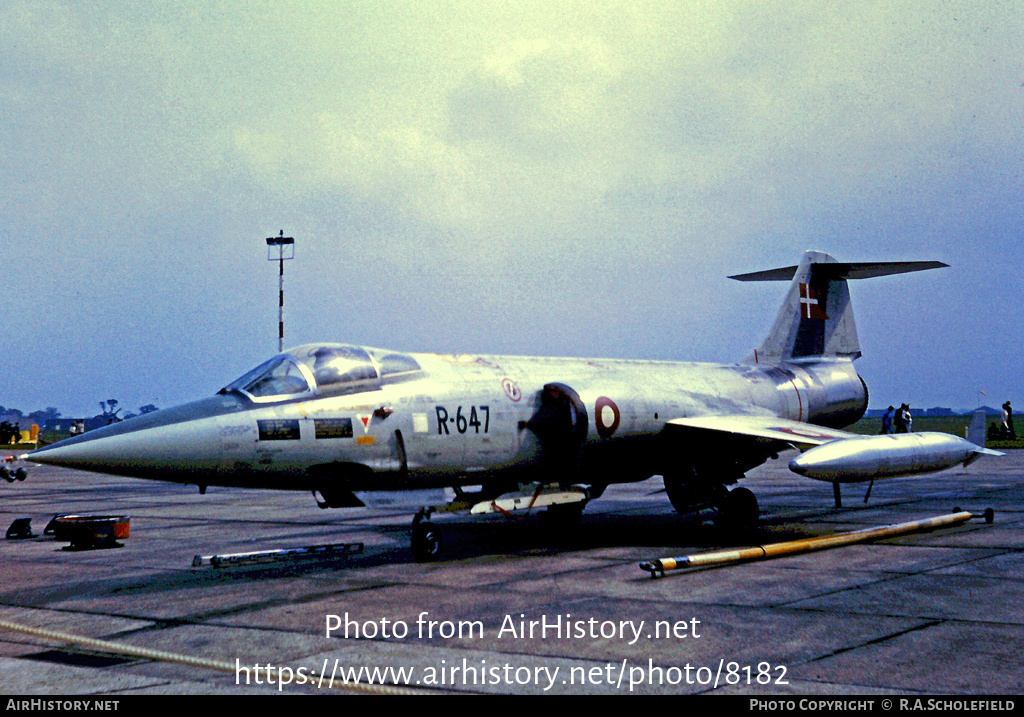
(899, 421)
(903, 419)
(16, 434)
(887, 421)
(1008, 431)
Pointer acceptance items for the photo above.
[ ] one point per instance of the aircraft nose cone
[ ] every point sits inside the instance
(59, 454)
(179, 444)
(100, 451)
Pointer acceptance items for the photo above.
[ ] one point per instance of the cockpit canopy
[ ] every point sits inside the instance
(323, 369)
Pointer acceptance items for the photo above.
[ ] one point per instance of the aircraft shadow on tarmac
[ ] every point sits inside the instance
(465, 540)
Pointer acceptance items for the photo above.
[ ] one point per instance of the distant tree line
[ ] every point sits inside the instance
(109, 410)
(39, 417)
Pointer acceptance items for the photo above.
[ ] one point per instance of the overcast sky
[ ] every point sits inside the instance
(551, 178)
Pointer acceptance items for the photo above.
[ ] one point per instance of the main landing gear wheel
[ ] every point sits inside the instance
(426, 538)
(688, 495)
(739, 510)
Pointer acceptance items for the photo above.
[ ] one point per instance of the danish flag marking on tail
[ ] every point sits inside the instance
(810, 307)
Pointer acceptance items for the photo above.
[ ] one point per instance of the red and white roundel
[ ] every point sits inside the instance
(606, 417)
(512, 389)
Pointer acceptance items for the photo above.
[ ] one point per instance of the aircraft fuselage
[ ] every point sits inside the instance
(463, 420)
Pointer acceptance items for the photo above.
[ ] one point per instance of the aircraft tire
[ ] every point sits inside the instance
(681, 495)
(739, 510)
(688, 495)
(426, 541)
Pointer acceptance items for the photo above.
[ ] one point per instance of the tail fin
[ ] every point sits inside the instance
(976, 433)
(816, 318)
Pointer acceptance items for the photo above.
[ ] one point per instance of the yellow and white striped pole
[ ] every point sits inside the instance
(658, 566)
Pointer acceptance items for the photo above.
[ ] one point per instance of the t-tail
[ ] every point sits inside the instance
(816, 319)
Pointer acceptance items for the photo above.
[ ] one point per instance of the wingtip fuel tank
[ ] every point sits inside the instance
(863, 458)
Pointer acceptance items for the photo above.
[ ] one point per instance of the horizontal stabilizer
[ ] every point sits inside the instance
(841, 270)
(816, 317)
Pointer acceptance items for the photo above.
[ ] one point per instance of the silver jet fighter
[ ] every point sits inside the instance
(345, 421)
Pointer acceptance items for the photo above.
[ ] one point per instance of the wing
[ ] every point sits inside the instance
(849, 457)
(797, 434)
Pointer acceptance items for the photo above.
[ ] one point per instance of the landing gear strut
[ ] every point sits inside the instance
(426, 537)
(735, 509)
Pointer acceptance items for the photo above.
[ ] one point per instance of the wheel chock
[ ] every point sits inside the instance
(20, 529)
